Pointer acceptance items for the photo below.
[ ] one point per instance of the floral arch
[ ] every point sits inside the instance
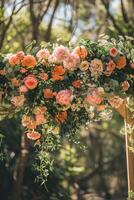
(54, 89)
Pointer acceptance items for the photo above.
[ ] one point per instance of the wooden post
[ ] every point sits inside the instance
(126, 114)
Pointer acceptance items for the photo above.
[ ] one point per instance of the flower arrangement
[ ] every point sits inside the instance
(56, 89)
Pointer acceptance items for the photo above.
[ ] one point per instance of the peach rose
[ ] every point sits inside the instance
(101, 107)
(96, 67)
(43, 54)
(29, 61)
(115, 101)
(60, 53)
(23, 89)
(125, 85)
(40, 119)
(70, 62)
(121, 62)
(56, 130)
(15, 82)
(39, 110)
(33, 135)
(43, 76)
(30, 82)
(84, 65)
(20, 55)
(48, 93)
(81, 52)
(13, 60)
(2, 72)
(29, 122)
(113, 52)
(64, 97)
(18, 101)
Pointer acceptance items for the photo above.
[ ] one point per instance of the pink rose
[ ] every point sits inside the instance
(30, 82)
(23, 89)
(64, 97)
(43, 54)
(93, 99)
(94, 96)
(71, 62)
(20, 55)
(60, 53)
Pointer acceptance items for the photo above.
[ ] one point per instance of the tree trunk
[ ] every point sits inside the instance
(49, 28)
(34, 21)
(20, 169)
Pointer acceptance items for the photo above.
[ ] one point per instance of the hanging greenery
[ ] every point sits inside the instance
(55, 90)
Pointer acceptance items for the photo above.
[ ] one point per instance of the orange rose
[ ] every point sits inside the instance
(48, 93)
(29, 61)
(76, 83)
(61, 116)
(110, 68)
(57, 73)
(33, 135)
(121, 62)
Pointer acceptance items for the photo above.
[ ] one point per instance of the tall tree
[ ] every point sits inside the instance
(6, 18)
(37, 13)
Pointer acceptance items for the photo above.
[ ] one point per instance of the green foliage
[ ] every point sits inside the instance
(130, 195)
(43, 166)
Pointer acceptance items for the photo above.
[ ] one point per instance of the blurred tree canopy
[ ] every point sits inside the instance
(22, 21)
(98, 171)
